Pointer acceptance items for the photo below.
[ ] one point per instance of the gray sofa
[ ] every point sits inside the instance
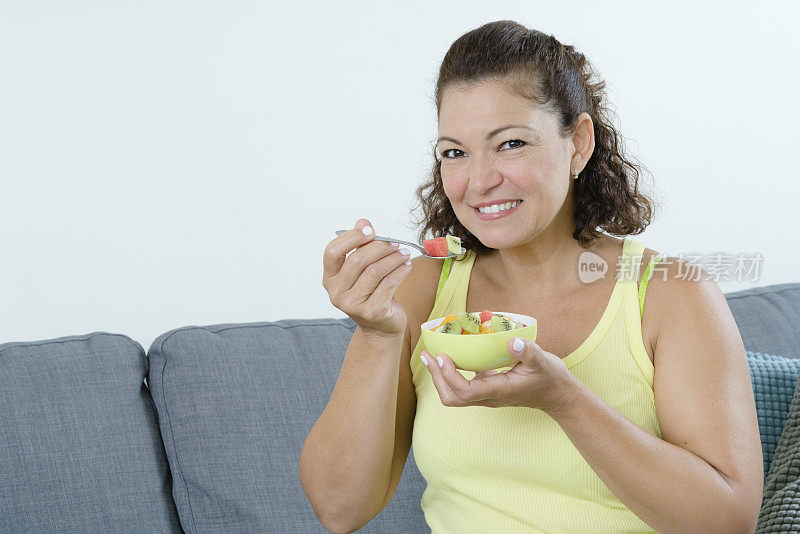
(203, 432)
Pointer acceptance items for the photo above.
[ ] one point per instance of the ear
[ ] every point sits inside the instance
(583, 142)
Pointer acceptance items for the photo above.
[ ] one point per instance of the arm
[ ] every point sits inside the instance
(706, 474)
(346, 461)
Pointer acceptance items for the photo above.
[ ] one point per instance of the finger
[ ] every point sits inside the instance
(521, 349)
(387, 287)
(466, 392)
(341, 245)
(446, 394)
(360, 263)
(380, 280)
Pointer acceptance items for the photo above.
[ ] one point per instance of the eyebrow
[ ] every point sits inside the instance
(489, 135)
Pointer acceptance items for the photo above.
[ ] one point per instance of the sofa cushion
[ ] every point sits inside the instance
(80, 448)
(774, 379)
(768, 318)
(235, 404)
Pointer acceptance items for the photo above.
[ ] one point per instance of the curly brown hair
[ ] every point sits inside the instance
(538, 67)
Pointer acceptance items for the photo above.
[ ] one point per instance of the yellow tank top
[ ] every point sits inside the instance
(513, 469)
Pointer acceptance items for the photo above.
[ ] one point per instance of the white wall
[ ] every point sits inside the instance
(166, 164)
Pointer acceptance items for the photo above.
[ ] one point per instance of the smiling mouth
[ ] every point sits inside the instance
(512, 204)
(493, 215)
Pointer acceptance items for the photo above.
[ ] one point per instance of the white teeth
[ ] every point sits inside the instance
(494, 208)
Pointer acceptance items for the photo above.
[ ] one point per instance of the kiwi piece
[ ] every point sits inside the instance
(450, 327)
(501, 324)
(469, 322)
(454, 244)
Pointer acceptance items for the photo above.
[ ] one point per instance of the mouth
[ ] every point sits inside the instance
(493, 216)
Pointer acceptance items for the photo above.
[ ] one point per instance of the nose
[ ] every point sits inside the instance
(483, 175)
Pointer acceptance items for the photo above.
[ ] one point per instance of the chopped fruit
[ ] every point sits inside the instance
(450, 325)
(454, 244)
(469, 322)
(443, 246)
(464, 323)
(502, 324)
(436, 247)
(485, 316)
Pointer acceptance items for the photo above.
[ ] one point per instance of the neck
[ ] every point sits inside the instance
(545, 265)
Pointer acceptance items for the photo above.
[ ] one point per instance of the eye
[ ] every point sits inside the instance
(521, 144)
(445, 156)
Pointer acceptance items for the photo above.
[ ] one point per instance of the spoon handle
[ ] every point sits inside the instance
(391, 240)
(409, 243)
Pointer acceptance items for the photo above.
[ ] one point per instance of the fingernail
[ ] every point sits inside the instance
(518, 344)
(404, 251)
(424, 360)
(440, 360)
(367, 230)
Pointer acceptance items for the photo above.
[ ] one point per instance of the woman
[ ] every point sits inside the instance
(620, 417)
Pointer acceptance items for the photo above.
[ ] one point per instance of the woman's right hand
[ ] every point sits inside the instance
(363, 284)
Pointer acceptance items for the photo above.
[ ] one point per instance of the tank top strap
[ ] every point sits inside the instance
(453, 283)
(645, 278)
(446, 265)
(633, 254)
(631, 259)
(630, 268)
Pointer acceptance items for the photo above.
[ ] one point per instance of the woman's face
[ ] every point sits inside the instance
(530, 162)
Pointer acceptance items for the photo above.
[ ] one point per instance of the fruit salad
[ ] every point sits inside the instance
(484, 322)
(442, 246)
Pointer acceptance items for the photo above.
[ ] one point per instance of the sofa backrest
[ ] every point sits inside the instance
(80, 449)
(85, 448)
(768, 318)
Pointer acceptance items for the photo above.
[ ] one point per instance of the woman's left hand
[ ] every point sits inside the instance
(538, 380)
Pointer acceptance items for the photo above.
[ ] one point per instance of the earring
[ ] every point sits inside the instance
(575, 173)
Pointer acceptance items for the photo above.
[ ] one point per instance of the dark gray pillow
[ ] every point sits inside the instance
(780, 507)
(774, 379)
(80, 449)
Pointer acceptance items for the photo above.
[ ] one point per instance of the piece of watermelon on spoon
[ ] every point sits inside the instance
(436, 246)
(442, 246)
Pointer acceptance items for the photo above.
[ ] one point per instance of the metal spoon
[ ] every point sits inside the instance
(421, 249)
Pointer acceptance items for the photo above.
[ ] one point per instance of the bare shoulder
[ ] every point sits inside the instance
(678, 287)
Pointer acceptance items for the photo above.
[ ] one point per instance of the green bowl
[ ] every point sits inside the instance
(477, 352)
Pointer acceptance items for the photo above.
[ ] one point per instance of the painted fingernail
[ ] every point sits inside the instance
(367, 230)
(440, 360)
(519, 344)
(424, 360)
